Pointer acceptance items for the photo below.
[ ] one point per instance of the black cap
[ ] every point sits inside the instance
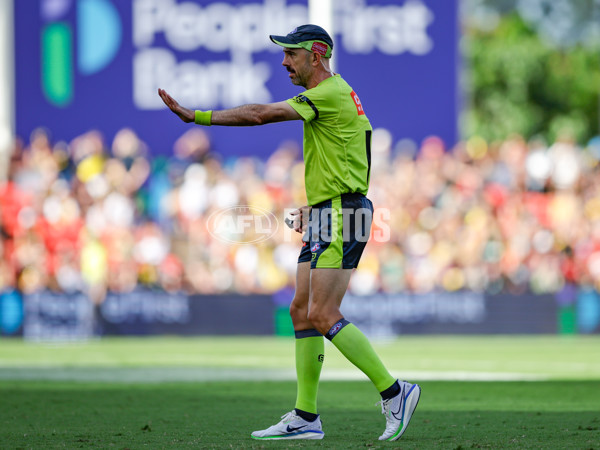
(310, 37)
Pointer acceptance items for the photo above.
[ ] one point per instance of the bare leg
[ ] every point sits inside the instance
(327, 289)
(299, 305)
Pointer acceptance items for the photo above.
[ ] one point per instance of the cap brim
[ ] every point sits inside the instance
(284, 41)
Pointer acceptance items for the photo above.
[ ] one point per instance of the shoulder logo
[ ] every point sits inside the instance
(356, 100)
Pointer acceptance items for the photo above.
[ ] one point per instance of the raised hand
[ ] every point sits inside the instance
(185, 114)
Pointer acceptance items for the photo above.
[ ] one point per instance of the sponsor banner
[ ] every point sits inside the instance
(97, 64)
(402, 58)
(143, 312)
(53, 316)
(587, 310)
(146, 312)
(381, 315)
(387, 315)
(11, 313)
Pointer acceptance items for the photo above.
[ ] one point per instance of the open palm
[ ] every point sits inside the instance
(185, 114)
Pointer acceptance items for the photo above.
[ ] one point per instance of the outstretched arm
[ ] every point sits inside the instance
(245, 115)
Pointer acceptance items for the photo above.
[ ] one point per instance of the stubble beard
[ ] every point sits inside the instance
(301, 79)
(298, 82)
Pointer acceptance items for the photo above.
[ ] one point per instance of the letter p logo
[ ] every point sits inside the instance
(99, 36)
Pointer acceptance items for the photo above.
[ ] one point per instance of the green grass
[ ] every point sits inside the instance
(222, 415)
(548, 357)
(129, 393)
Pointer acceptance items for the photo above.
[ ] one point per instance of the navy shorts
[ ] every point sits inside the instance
(338, 231)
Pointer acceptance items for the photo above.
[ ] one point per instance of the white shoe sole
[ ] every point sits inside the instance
(409, 408)
(305, 435)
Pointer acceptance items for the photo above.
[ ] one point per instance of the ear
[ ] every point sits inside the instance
(316, 59)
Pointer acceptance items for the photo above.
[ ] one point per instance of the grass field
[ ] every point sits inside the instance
(478, 392)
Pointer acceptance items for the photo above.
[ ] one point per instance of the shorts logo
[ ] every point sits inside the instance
(321, 357)
(315, 247)
(356, 100)
(319, 47)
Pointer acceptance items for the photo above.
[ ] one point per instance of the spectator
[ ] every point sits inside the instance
(510, 216)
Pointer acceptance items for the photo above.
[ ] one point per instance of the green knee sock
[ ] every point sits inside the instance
(355, 346)
(310, 349)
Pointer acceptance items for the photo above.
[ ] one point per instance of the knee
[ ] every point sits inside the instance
(298, 312)
(319, 319)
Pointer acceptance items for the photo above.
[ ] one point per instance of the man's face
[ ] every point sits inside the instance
(297, 63)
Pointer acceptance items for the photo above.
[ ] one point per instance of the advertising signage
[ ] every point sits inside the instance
(97, 64)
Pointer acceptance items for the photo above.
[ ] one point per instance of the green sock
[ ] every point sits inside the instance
(310, 349)
(355, 346)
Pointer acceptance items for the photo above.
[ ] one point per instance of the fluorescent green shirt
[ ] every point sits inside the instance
(337, 140)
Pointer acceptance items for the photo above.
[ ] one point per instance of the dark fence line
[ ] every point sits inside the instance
(52, 316)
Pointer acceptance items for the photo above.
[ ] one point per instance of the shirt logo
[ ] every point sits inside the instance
(356, 100)
(319, 47)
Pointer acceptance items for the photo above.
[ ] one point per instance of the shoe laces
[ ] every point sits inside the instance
(385, 406)
(288, 417)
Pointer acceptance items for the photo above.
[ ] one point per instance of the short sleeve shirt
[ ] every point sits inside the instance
(337, 140)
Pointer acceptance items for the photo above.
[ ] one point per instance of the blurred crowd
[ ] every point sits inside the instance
(94, 216)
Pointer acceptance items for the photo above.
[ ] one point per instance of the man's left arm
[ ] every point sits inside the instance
(245, 115)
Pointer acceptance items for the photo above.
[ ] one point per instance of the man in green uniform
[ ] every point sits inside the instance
(337, 220)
